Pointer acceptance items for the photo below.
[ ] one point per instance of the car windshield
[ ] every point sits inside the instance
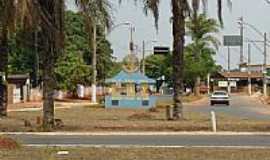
(220, 93)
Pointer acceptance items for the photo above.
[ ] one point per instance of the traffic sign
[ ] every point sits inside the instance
(161, 50)
(232, 40)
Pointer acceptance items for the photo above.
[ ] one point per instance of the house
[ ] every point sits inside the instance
(18, 88)
(238, 81)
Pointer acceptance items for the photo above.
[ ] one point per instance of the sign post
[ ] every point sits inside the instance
(231, 41)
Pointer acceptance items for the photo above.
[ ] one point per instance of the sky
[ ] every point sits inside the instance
(255, 12)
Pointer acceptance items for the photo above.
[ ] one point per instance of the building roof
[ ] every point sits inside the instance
(18, 78)
(253, 65)
(136, 77)
(240, 75)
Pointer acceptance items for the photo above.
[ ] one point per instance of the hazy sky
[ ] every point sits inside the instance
(255, 12)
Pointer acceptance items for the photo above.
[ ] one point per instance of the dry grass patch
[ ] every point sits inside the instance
(100, 119)
(136, 154)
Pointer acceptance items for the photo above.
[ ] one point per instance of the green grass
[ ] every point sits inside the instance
(135, 154)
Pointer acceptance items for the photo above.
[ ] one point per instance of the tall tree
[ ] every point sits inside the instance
(6, 8)
(96, 12)
(13, 13)
(202, 66)
(181, 9)
(202, 31)
(51, 13)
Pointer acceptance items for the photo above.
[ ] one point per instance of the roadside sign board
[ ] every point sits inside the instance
(225, 84)
(232, 40)
(222, 83)
(161, 50)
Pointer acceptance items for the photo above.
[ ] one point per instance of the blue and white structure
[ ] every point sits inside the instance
(130, 88)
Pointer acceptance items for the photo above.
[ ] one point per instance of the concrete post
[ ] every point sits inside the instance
(265, 66)
(229, 70)
(214, 122)
(249, 71)
(94, 65)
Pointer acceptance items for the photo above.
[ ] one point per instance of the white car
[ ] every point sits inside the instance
(220, 97)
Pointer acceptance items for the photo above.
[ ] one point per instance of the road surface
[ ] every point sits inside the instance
(146, 140)
(241, 106)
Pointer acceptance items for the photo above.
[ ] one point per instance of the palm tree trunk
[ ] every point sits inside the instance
(197, 86)
(178, 55)
(52, 26)
(48, 92)
(3, 71)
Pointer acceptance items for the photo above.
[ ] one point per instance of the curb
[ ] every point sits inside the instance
(138, 133)
(142, 146)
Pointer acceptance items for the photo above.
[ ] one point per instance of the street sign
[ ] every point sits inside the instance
(222, 83)
(161, 50)
(232, 40)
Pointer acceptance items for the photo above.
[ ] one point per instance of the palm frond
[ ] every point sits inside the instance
(153, 6)
(96, 11)
(220, 12)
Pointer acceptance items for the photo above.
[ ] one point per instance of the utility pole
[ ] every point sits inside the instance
(242, 40)
(143, 57)
(229, 70)
(131, 44)
(265, 66)
(94, 65)
(208, 83)
(249, 71)
(36, 67)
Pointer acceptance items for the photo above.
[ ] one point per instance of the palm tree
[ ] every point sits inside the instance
(95, 12)
(181, 9)
(5, 7)
(51, 14)
(13, 14)
(201, 29)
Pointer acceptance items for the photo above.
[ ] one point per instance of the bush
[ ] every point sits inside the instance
(8, 143)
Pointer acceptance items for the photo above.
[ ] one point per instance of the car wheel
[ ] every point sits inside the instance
(228, 103)
(211, 103)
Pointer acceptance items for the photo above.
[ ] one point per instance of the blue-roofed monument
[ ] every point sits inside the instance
(130, 88)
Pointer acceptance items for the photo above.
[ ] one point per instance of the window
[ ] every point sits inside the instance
(145, 103)
(115, 102)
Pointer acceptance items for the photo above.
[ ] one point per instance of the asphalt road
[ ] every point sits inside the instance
(241, 106)
(147, 140)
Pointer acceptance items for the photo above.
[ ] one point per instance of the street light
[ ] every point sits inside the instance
(132, 29)
(241, 22)
(94, 59)
(118, 25)
(143, 53)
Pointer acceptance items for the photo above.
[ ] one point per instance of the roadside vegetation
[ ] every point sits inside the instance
(8, 144)
(136, 153)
